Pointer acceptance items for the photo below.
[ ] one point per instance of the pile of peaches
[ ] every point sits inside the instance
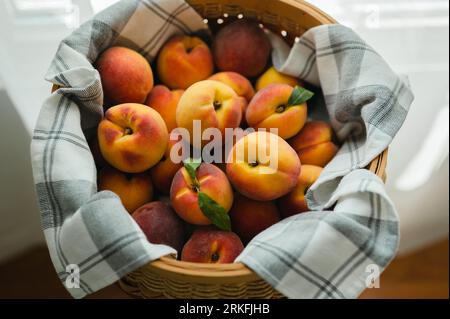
(207, 211)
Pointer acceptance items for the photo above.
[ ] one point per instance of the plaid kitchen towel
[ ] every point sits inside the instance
(321, 254)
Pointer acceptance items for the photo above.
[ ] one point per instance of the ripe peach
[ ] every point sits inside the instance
(132, 137)
(263, 167)
(269, 109)
(242, 47)
(240, 84)
(295, 202)
(164, 172)
(212, 247)
(160, 225)
(213, 103)
(272, 76)
(126, 76)
(250, 217)
(165, 102)
(184, 61)
(314, 144)
(184, 194)
(134, 190)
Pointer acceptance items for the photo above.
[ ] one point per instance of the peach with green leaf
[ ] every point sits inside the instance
(281, 107)
(202, 195)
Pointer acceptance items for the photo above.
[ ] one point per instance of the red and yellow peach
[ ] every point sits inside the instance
(164, 172)
(295, 202)
(269, 109)
(250, 217)
(263, 167)
(132, 137)
(314, 144)
(160, 225)
(242, 47)
(184, 193)
(240, 84)
(212, 103)
(134, 190)
(184, 61)
(272, 76)
(165, 102)
(126, 76)
(212, 246)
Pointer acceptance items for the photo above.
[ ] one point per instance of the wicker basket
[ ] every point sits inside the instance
(169, 278)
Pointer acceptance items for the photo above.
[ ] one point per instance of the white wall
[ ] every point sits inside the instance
(19, 217)
(26, 49)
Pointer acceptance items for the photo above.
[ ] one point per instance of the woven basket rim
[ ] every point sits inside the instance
(312, 10)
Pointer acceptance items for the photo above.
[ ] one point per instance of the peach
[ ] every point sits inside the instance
(212, 247)
(263, 167)
(242, 47)
(241, 85)
(184, 193)
(295, 202)
(134, 190)
(272, 76)
(126, 76)
(184, 61)
(160, 225)
(132, 137)
(250, 217)
(165, 102)
(213, 103)
(164, 172)
(314, 144)
(220, 159)
(269, 109)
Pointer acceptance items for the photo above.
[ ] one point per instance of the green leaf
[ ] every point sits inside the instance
(191, 165)
(216, 213)
(299, 96)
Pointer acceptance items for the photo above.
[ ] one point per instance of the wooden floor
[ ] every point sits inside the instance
(421, 275)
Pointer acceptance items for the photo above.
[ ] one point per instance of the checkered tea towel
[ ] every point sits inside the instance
(326, 253)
